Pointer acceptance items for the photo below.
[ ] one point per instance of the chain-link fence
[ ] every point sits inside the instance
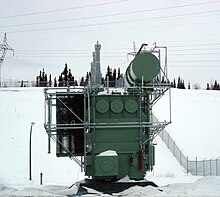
(205, 167)
(12, 83)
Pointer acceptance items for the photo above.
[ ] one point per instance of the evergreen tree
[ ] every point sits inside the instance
(114, 75)
(41, 80)
(174, 83)
(208, 87)
(75, 83)
(37, 81)
(66, 78)
(109, 77)
(87, 79)
(65, 75)
(119, 74)
(60, 81)
(108, 74)
(43, 75)
(22, 83)
(216, 85)
(55, 82)
(189, 86)
(113, 78)
(181, 84)
(70, 77)
(45, 80)
(82, 82)
(50, 81)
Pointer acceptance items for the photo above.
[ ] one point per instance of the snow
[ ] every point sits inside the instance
(194, 123)
(108, 153)
(111, 90)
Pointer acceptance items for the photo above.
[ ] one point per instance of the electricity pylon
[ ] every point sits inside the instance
(4, 47)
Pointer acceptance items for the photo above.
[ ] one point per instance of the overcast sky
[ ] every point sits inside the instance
(48, 34)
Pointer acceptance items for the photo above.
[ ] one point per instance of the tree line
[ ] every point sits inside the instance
(181, 85)
(112, 76)
(66, 78)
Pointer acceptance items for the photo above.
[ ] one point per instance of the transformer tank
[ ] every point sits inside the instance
(110, 129)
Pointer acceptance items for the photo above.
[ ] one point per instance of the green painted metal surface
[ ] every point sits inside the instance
(118, 128)
(144, 65)
(106, 166)
(115, 121)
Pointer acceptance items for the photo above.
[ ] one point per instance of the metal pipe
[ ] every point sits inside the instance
(49, 122)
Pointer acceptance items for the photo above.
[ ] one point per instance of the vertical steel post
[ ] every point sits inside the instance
(187, 164)
(30, 176)
(217, 166)
(196, 167)
(41, 178)
(49, 122)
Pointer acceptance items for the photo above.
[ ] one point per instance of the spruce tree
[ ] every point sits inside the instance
(216, 87)
(119, 74)
(82, 81)
(189, 86)
(208, 86)
(45, 80)
(174, 83)
(37, 81)
(55, 82)
(65, 75)
(50, 81)
(60, 81)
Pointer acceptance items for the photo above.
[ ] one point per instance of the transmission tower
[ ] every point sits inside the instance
(4, 47)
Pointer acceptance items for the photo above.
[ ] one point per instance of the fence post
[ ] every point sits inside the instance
(41, 178)
(196, 167)
(187, 164)
(210, 167)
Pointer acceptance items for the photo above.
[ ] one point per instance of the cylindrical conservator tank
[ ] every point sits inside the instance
(146, 65)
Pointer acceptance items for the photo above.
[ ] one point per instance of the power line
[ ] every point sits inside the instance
(193, 45)
(194, 61)
(107, 15)
(116, 22)
(186, 66)
(61, 10)
(61, 56)
(198, 49)
(69, 50)
(123, 53)
(183, 54)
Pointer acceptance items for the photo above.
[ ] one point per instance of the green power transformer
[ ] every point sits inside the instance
(116, 126)
(109, 131)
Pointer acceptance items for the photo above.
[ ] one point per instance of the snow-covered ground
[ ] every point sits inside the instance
(195, 122)
(194, 116)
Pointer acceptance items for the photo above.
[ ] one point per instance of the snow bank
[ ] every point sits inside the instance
(194, 124)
